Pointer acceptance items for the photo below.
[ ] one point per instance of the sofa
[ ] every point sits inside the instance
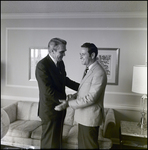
(25, 127)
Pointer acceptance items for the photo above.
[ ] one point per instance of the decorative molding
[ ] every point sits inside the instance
(17, 98)
(123, 107)
(15, 28)
(72, 28)
(6, 55)
(21, 86)
(122, 93)
(112, 93)
(74, 15)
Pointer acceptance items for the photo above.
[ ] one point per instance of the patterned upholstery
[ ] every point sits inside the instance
(27, 111)
(25, 127)
(69, 119)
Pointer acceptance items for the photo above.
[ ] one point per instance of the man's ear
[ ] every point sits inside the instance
(93, 55)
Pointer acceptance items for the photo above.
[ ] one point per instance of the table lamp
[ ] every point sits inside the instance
(139, 85)
(5, 122)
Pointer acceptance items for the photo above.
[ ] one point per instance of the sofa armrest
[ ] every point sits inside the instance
(109, 123)
(104, 143)
(11, 110)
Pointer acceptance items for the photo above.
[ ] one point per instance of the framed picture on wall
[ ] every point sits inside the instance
(35, 55)
(109, 59)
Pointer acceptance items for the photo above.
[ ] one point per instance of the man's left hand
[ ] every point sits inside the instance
(62, 106)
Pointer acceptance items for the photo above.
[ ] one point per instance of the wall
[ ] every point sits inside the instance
(126, 33)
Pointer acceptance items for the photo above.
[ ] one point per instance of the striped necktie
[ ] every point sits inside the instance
(85, 72)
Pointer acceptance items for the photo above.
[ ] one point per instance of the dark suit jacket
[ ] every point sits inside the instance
(51, 83)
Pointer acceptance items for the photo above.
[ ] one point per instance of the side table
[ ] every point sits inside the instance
(132, 135)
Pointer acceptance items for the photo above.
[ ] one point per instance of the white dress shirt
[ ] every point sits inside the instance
(53, 60)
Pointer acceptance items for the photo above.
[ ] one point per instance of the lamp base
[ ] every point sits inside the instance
(142, 124)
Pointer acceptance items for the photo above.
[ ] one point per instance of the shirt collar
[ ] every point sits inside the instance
(92, 65)
(53, 60)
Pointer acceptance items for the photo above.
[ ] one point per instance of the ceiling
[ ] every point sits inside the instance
(72, 6)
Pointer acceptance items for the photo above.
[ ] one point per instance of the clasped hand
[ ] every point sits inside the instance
(62, 106)
(64, 103)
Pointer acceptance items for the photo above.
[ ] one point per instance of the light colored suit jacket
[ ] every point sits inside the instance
(90, 97)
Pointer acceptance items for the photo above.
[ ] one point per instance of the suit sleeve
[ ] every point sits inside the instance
(96, 90)
(72, 84)
(69, 83)
(46, 85)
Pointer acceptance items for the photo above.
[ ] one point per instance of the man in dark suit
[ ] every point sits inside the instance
(51, 77)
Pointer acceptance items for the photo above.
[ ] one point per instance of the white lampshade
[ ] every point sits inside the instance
(139, 82)
(5, 122)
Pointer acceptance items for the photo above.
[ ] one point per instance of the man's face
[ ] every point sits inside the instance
(85, 57)
(59, 53)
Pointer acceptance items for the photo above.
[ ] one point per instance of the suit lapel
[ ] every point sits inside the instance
(52, 65)
(55, 70)
(50, 61)
(87, 75)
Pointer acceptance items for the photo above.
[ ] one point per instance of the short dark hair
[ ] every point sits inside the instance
(56, 42)
(91, 48)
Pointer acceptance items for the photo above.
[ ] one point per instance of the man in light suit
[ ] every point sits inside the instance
(52, 79)
(88, 101)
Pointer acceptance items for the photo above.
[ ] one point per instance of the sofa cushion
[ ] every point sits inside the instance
(109, 123)
(66, 129)
(20, 143)
(72, 137)
(69, 116)
(27, 110)
(11, 111)
(104, 143)
(34, 112)
(36, 134)
(22, 128)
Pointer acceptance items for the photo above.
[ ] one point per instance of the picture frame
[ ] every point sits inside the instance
(35, 55)
(109, 59)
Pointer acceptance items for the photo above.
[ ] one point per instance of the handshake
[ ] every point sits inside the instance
(64, 103)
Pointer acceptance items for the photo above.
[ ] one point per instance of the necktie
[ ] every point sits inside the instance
(85, 72)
